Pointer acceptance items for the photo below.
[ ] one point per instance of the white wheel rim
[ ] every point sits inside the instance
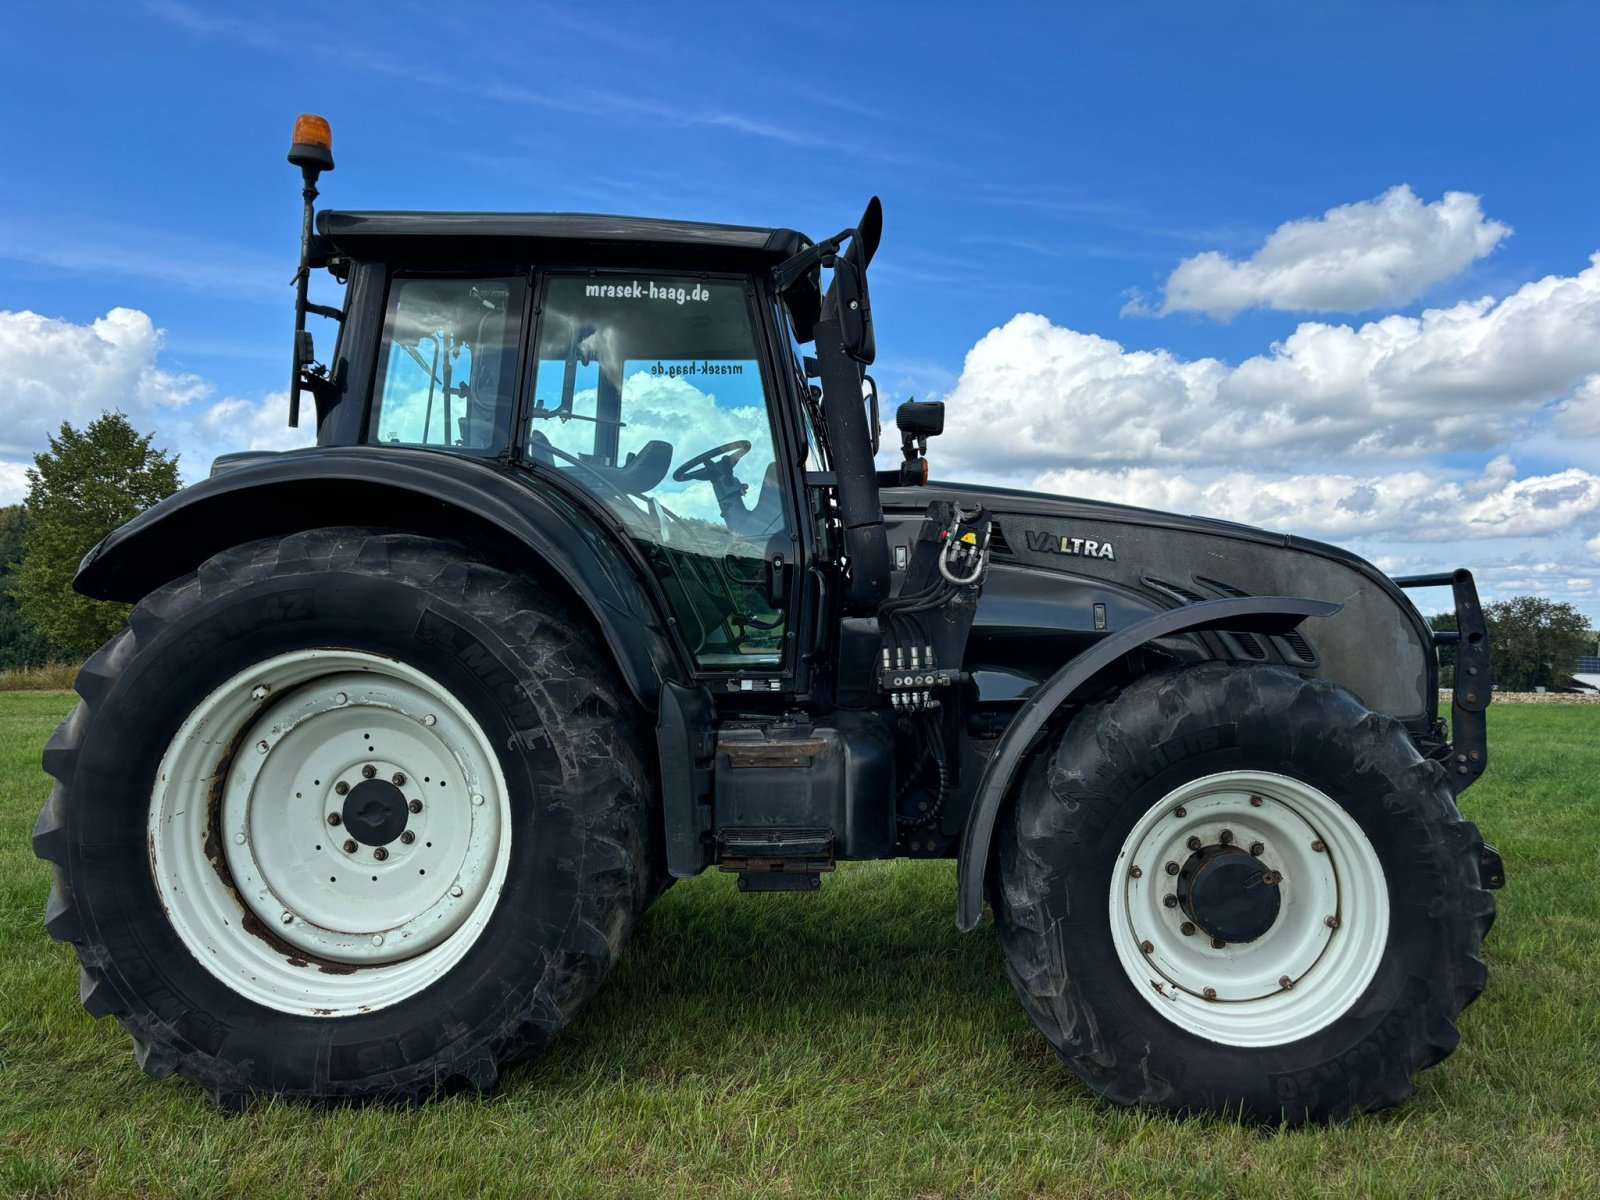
(329, 900)
(1327, 939)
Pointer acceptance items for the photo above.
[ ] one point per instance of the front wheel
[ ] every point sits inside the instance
(346, 816)
(1237, 890)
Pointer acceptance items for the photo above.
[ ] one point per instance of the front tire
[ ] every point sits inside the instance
(346, 816)
(1233, 889)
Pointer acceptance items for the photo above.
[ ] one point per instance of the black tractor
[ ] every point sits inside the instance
(593, 582)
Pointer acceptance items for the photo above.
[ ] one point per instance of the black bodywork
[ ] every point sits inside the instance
(777, 773)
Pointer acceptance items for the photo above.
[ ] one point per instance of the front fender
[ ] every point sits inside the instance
(1251, 614)
(528, 522)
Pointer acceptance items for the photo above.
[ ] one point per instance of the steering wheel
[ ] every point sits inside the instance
(734, 450)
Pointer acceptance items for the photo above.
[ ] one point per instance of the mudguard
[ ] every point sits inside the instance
(1252, 614)
(523, 517)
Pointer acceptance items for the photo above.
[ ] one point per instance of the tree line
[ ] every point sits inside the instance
(92, 480)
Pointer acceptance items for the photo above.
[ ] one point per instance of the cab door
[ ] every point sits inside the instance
(651, 390)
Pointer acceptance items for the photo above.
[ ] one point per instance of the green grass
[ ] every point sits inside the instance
(850, 1043)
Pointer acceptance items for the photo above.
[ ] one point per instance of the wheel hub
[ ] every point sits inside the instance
(329, 831)
(375, 812)
(1249, 908)
(1229, 894)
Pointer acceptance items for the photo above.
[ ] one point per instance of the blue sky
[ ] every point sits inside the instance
(1077, 163)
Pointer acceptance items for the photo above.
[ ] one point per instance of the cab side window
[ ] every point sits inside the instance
(448, 363)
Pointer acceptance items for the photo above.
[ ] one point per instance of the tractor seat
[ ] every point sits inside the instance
(640, 471)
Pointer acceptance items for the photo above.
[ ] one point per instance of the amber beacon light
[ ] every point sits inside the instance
(313, 144)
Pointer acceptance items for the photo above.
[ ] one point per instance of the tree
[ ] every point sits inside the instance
(86, 485)
(21, 645)
(1533, 642)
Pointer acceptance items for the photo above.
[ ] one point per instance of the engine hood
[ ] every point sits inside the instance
(1066, 571)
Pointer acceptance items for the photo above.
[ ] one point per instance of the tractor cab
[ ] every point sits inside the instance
(650, 370)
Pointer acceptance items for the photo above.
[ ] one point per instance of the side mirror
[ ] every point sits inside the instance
(850, 285)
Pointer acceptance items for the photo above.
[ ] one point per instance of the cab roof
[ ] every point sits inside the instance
(580, 238)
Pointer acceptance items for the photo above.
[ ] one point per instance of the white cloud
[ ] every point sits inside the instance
(1579, 416)
(235, 424)
(1386, 251)
(1420, 505)
(13, 482)
(58, 371)
(1036, 396)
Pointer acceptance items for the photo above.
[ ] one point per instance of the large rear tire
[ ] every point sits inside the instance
(1233, 889)
(347, 816)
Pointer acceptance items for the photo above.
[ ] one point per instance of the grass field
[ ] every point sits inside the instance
(847, 1044)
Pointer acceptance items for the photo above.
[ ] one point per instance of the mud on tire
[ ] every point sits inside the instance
(1062, 857)
(584, 848)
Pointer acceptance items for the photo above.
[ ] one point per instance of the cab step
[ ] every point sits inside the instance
(776, 860)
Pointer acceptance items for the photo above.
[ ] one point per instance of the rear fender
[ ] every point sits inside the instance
(525, 521)
(1253, 614)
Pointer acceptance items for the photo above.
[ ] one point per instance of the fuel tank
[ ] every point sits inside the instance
(1066, 572)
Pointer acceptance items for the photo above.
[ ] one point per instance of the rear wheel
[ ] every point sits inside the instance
(1234, 889)
(346, 816)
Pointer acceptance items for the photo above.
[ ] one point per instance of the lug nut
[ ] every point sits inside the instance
(1170, 900)
(369, 771)
(1271, 878)
(1172, 868)
(349, 846)
(1331, 922)
(1135, 872)
(407, 837)
(415, 806)
(334, 818)
(1180, 811)
(1319, 845)
(399, 780)
(288, 918)
(1210, 993)
(1147, 947)
(341, 788)
(1217, 943)
(1187, 929)
(1226, 837)
(1194, 843)
(1285, 982)
(1255, 801)
(380, 854)
(260, 692)
(263, 747)
(455, 890)
(1256, 849)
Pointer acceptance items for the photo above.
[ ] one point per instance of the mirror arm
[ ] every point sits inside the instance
(786, 273)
